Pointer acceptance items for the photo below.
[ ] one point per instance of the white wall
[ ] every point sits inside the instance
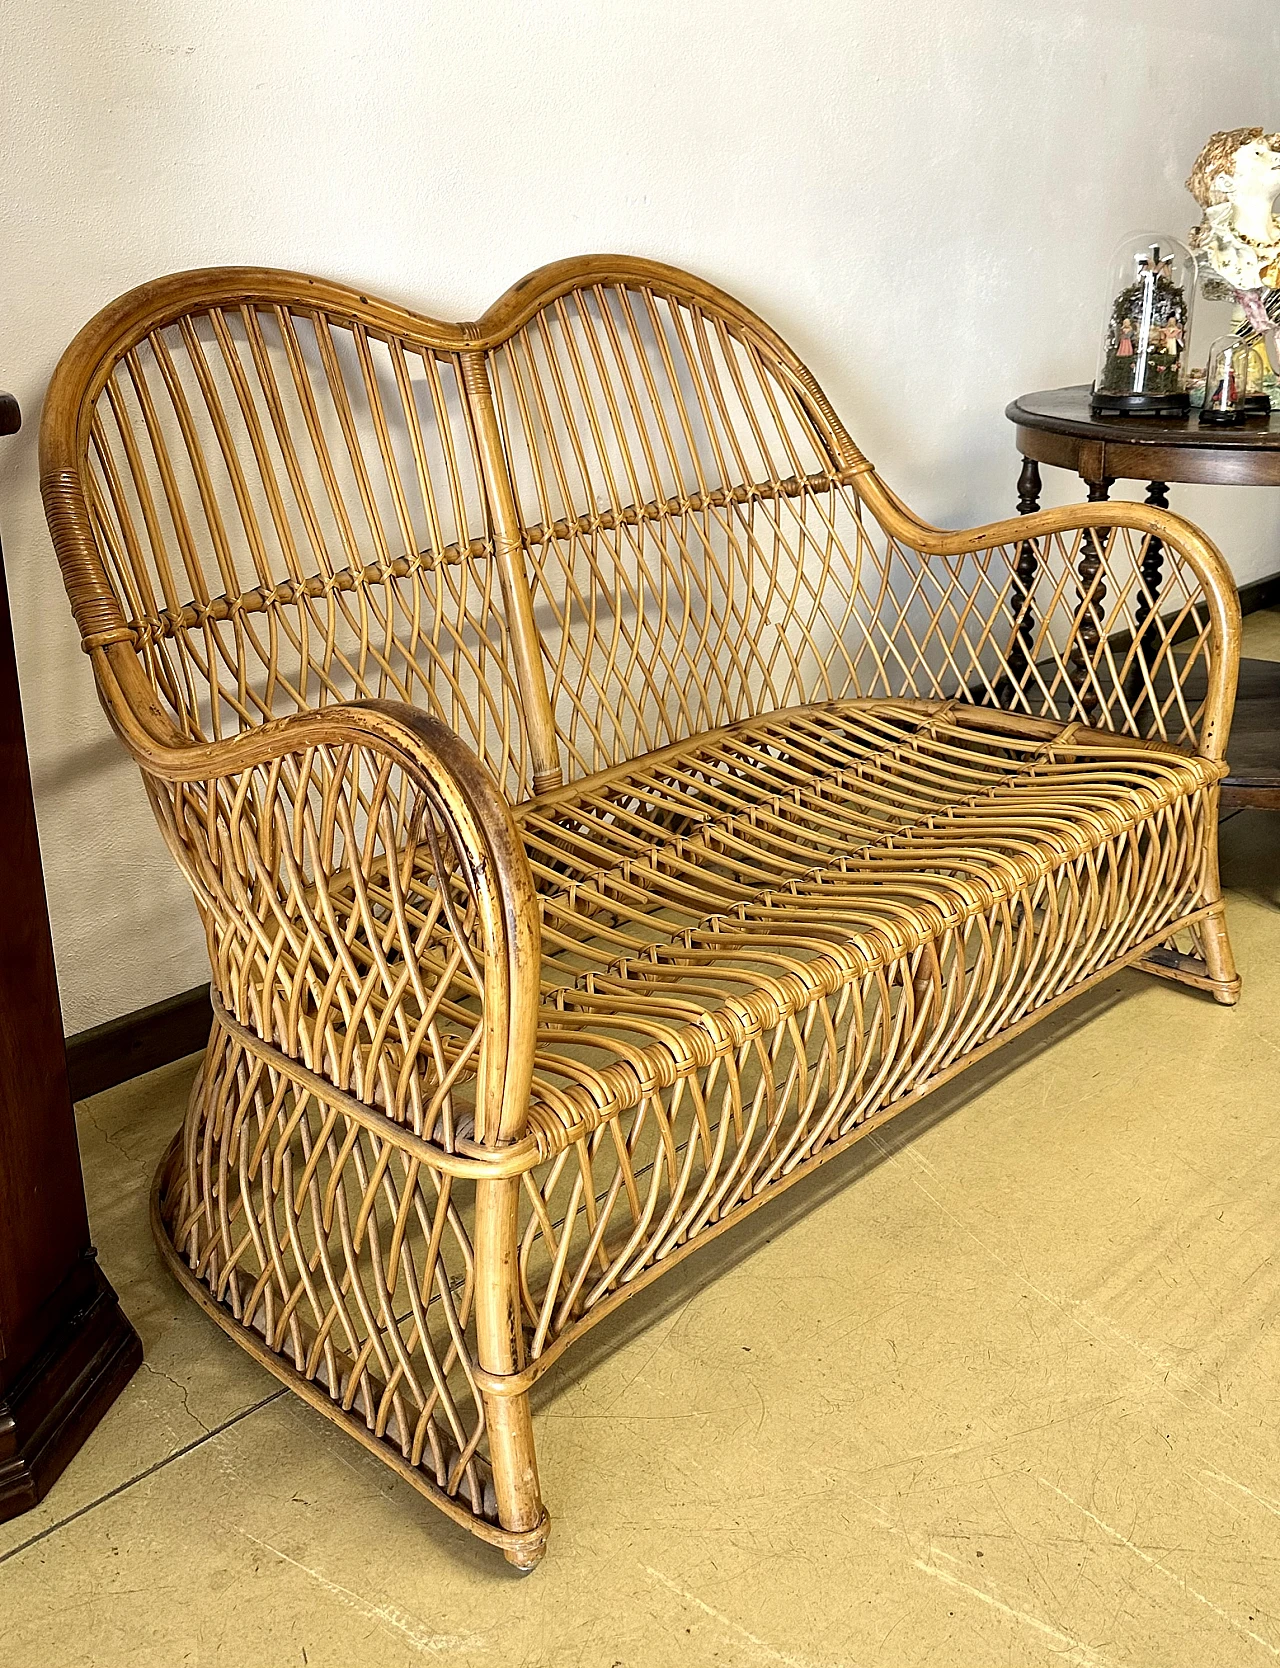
(920, 194)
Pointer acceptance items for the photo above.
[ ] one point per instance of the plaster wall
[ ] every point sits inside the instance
(921, 196)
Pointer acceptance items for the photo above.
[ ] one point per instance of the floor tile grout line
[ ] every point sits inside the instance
(120, 1488)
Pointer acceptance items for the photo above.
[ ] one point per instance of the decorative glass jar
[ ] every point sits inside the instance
(1143, 359)
(1228, 381)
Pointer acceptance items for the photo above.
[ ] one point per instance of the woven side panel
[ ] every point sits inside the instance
(341, 922)
(349, 1259)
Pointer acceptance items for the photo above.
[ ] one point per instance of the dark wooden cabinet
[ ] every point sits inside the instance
(66, 1348)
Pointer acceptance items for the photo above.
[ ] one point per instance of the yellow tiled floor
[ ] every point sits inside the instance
(1000, 1386)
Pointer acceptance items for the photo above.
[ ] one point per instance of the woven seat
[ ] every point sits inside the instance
(604, 800)
(703, 898)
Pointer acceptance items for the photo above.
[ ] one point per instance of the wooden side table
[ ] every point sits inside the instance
(66, 1348)
(1057, 427)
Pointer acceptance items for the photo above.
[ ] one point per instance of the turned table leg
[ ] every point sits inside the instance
(1093, 590)
(1152, 559)
(1021, 606)
(1029, 487)
(1146, 632)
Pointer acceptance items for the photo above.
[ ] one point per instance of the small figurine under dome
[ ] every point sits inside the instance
(1227, 377)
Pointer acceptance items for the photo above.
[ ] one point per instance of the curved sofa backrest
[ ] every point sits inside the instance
(269, 487)
(280, 493)
(678, 479)
(615, 512)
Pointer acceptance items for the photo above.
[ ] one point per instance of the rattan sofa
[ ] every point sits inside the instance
(605, 801)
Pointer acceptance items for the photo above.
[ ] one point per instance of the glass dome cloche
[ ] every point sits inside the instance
(1143, 359)
(1228, 381)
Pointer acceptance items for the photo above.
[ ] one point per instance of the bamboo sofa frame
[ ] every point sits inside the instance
(605, 801)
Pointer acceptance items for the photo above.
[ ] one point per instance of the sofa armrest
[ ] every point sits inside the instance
(1122, 615)
(369, 909)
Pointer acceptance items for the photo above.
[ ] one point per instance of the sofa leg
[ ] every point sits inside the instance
(507, 1417)
(1215, 969)
(515, 1478)
(1219, 959)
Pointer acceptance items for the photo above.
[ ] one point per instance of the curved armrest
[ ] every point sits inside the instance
(1127, 582)
(369, 907)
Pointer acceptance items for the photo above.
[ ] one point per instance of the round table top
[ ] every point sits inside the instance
(1066, 411)
(1056, 426)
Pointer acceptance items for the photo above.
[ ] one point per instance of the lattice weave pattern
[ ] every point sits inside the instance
(347, 1256)
(726, 565)
(342, 925)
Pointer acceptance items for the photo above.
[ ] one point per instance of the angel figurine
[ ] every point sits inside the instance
(1236, 179)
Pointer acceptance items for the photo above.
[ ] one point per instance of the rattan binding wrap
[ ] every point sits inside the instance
(604, 799)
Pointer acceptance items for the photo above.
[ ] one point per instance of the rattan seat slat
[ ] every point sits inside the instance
(842, 919)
